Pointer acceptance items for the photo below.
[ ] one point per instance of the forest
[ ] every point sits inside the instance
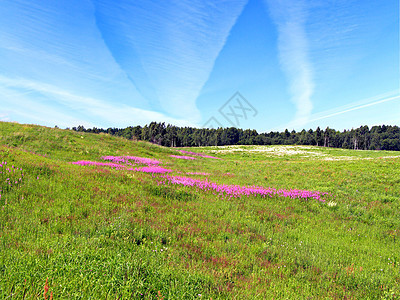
(382, 137)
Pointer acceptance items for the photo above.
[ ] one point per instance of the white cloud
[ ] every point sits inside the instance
(365, 103)
(60, 45)
(290, 17)
(4, 117)
(49, 104)
(168, 48)
(343, 116)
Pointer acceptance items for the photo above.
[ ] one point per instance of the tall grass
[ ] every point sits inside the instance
(93, 231)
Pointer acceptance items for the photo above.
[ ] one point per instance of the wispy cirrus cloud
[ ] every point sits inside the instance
(4, 117)
(362, 104)
(370, 105)
(167, 48)
(290, 18)
(30, 99)
(58, 44)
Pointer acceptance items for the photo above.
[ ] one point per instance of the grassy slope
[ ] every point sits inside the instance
(96, 231)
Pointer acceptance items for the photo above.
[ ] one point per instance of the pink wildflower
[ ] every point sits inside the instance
(238, 191)
(153, 169)
(136, 159)
(95, 163)
(183, 157)
(198, 154)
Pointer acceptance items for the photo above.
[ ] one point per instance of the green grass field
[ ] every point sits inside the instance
(97, 232)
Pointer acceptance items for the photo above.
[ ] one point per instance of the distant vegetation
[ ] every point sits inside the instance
(363, 138)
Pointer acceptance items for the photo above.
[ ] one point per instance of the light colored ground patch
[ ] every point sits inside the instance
(306, 151)
(358, 158)
(312, 152)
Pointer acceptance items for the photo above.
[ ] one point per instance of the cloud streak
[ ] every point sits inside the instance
(387, 97)
(363, 104)
(174, 45)
(4, 117)
(58, 44)
(33, 97)
(290, 17)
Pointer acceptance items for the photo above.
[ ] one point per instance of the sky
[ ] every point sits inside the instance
(268, 65)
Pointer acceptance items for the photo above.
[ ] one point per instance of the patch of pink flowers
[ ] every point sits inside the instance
(198, 154)
(136, 159)
(152, 169)
(197, 173)
(95, 163)
(238, 191)
(183, 157)
(10, 177)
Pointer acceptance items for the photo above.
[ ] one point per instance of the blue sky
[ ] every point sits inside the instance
(116, 63)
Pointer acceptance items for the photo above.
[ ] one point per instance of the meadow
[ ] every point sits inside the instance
(86, 216)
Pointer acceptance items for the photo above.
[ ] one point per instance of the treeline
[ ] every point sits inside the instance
(363, 138)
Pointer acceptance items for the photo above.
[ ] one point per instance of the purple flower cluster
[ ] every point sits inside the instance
(9, 177)
(122, 162)
(225, 190)
(115, 159)
(198, 154)
(197, 173)
(238, 191)
(183, 157)
(152, 169)
(95, 163)
(136, 159)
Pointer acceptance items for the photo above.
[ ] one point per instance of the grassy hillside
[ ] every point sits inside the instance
(328, 228)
